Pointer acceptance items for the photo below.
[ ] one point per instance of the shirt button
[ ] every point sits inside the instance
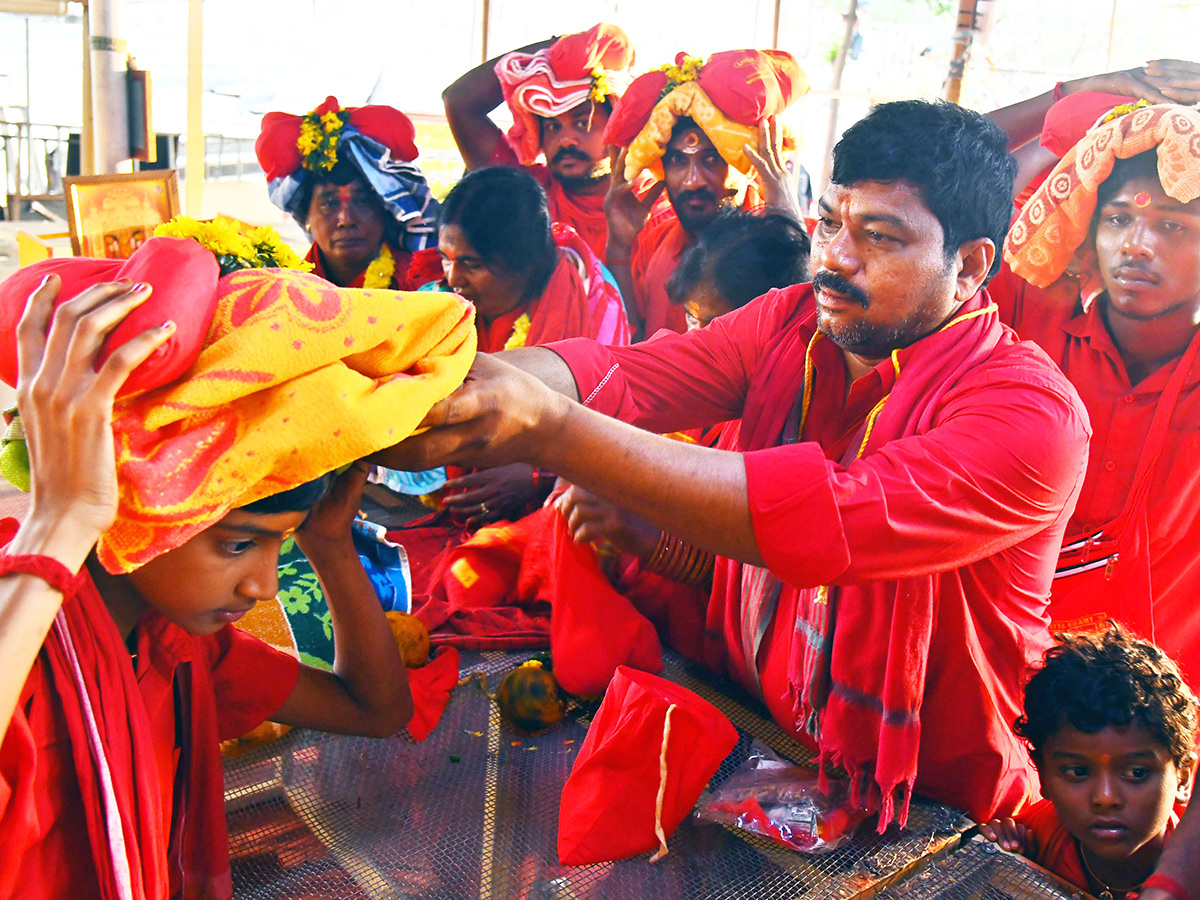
(1110, 466)
(1129, 398)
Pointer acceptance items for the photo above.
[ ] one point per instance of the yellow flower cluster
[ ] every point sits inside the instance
(520, 333)
(600, 87)
(318, 139)
(677, 75)
(1123, 110)
(235, 248)
(380, 271)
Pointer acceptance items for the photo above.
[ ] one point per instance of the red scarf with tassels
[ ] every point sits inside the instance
(859, 653)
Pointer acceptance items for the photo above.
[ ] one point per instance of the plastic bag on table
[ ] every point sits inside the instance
(782, 801)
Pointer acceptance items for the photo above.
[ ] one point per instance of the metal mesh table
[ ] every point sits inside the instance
(472, 812)
(980, 871)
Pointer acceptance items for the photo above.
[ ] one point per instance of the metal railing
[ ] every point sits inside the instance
(35, 161)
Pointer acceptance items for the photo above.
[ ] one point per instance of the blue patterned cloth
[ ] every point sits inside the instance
(400, 185)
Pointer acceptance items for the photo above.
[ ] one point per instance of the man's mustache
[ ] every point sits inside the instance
(839, 285)
(698, 194)
(570, 153)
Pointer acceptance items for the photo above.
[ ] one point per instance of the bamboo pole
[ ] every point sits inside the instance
(964, 33)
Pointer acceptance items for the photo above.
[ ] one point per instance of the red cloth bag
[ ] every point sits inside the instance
(610, 803)
(593, 629)
(431, 686)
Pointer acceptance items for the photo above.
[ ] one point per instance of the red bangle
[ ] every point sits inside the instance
(1058, 91)
(1168, 884)
(47, 568)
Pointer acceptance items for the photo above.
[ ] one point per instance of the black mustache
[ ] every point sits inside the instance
(840, 285)
(701, 194)
(570, 153)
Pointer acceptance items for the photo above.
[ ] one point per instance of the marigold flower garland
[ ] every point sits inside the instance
(520, 333)
(319, 134)
(688, 70)
(258, 248)
(379, 273)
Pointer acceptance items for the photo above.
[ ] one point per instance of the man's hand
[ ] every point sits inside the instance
(327, 527)
(625, 210)
(591, 519)
(66, 405)
(499, 415)
(779, 185)
(1176, 79)
(1159, 81)
(1011, 835)
(490, 495)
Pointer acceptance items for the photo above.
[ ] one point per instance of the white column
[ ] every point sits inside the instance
(110, 118)
(193, 186)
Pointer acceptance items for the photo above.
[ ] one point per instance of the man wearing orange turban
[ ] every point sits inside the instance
(560, 92)
(122, 668)
(693, 125)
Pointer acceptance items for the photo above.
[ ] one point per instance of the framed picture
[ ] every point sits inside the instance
(112, 215)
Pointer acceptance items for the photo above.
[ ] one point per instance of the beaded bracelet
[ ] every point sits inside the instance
(1168, 885)
(47, 568)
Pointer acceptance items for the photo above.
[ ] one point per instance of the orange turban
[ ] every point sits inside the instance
(1058, 217)
(592, 64)
(728, 96)
(294, 378)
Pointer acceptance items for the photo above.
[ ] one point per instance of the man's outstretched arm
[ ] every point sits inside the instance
(503, 414)
(468, 102)
(1159, 81)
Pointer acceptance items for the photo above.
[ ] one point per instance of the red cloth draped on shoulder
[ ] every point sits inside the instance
(656, 252)
(53, 837)
(413, 269)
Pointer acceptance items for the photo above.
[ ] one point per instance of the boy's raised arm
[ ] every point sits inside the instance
(66, 411)
(367, 691)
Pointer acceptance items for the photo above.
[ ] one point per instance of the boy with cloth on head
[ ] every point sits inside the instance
(159, 504)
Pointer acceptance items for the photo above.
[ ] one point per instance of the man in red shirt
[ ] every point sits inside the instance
(706, 131)
(560, 92)
(887, 531)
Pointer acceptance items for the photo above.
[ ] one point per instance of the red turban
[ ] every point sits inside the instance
(279, 154)
(728, 97)
(591, 64)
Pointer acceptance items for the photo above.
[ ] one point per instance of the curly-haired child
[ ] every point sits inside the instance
(1111, 725)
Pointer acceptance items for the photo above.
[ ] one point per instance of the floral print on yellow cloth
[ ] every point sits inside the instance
(296, 378)
(1058, 217)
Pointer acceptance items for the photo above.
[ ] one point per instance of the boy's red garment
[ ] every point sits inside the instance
(1159, 564)
(53, 841)
(939, 542)
(1057, 849)
(431, 686)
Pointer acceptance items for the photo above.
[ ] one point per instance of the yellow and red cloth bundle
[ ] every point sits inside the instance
(728, 97)
(289, 378)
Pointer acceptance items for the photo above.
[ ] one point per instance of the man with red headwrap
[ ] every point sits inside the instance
(560, 92)
(695, 126)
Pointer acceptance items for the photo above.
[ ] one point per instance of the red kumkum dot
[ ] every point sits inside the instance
(1141, 199)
